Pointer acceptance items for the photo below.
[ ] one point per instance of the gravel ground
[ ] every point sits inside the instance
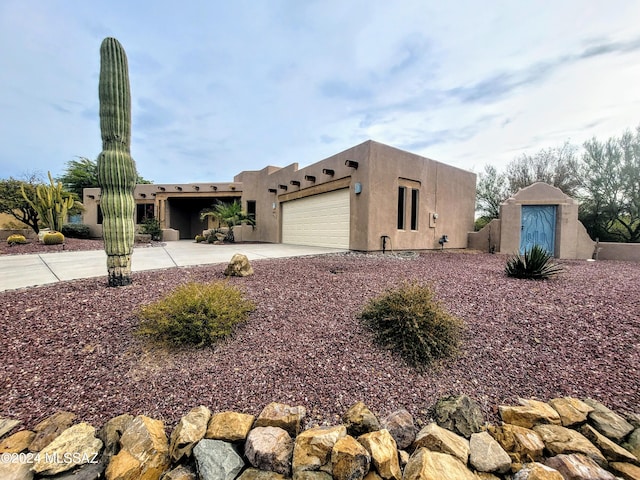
(71, 345)
(70, 245)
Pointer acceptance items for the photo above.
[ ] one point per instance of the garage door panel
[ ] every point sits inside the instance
(321, 220)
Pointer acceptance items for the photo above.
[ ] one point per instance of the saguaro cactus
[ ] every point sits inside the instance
(116, 169)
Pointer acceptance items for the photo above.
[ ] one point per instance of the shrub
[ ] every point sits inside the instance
(195, 313)
(535, 263)
(76, 230)
(151, 226)
(16, 239)
(200, 238)
(53, 238)
(411, 322)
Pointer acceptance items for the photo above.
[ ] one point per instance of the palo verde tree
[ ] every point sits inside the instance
(116, 169)
(12, 201)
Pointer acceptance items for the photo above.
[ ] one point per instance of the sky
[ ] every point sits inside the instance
(219, 87)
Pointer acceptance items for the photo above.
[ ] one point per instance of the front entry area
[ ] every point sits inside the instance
(321, 220)
(538, 227)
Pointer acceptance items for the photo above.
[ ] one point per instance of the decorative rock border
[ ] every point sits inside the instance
(565, 438)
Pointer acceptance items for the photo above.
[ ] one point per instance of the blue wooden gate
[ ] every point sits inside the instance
(538, 227)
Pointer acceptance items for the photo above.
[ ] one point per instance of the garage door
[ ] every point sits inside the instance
(320, 220)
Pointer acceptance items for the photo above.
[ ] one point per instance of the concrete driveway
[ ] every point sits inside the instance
(19, 271)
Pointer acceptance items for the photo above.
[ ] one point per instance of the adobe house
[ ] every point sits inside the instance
(369, 197)
(538, 214)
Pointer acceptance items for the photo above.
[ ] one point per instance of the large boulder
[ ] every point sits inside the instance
(239, 266)
(7, 424)
(217, 460)
(401, 427)
(633, 443)
(608, 422)
(269, 448)
(578, 467)
(384, 453)
(189, 431)
(15, 471)
(562, 440)
(459, 414)
(360, 420)
(522, 444)
(111, 433)
(537, 471)
(75, 446)
(230, 426)
(572, 411)
(349, 459)
(425, 464)
(486, 454)
(283, 416)
(312, 450)
(18, 442)
(438, 439)
(611, 450)
(50, 428)
(627, 471)
(529, 413)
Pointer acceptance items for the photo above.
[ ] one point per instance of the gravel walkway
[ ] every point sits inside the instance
(71, 345)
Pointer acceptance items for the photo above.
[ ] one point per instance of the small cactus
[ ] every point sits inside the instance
(116, 169)
(16, 239)
(53, 238)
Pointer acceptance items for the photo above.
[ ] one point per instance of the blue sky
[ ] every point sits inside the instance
(220, 87)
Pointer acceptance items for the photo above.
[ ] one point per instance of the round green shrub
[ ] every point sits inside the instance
(16, 239)
(200, 238)
(195, 314)
(53, 238)
(76, 230)
(411, 322)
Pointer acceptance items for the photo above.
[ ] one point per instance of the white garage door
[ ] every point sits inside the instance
(320, 220)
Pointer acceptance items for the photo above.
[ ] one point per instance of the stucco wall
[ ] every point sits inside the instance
(486, 239)
(619, 251)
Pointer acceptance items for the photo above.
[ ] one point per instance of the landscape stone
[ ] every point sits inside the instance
(403, 458)
(562, 440)
(578, 467)
(459, 414)
(349, 459)
(401, 427)
(255, 474)
(269, 448)
(144, 451)
(180, 473)
(311, 475)
(239, 266)
(384, 453)
(75, 446)
(438, 439)
(529, 413)
(486, 476)
(486, 454)
(633, 419)
(230, 426)
(633, 443)
(572, 411)
(360, 420)
(217, 460)
(112, 431)
(607, 422)
(88, 471)
(373, 475)
(611, 450)
(50, 428)
(425, 464)
(189, 431)
(18, 442)
(626, 470)
(522, 444)
(537, 471)
(7, 424)
(282, 416)
(312, 449)
(15, 471)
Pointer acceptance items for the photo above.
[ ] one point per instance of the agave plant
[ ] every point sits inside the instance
(535, 263)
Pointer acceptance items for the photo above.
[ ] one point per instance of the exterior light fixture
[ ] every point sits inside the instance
(310, 178)
(328, 171)
(442, 240)
(351, 164)
(295, 183)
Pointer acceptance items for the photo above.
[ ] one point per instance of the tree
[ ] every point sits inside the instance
(83, 173)
(558, 166)
(610, 208)
(13, 203)
(491, 191)
(229, 215)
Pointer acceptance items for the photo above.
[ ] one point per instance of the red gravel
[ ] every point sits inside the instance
(70, 245)
(71, 345)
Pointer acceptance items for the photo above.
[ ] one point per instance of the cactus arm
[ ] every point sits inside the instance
(116, 169)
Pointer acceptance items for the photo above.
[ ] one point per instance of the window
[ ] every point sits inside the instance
(144, 211)
(402, 201)
(100, 218)
(251, 209)
(415, 196)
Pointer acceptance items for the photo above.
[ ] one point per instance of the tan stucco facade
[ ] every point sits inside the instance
(438, 199)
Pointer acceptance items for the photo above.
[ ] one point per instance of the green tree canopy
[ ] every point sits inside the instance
(13, 203)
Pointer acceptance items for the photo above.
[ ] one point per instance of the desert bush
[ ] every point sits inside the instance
(16, 239)
(53, 238)
(76, 230)
(535, 263)
(410, 321)
(195, 314)
(151, 226)
(200, 238)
